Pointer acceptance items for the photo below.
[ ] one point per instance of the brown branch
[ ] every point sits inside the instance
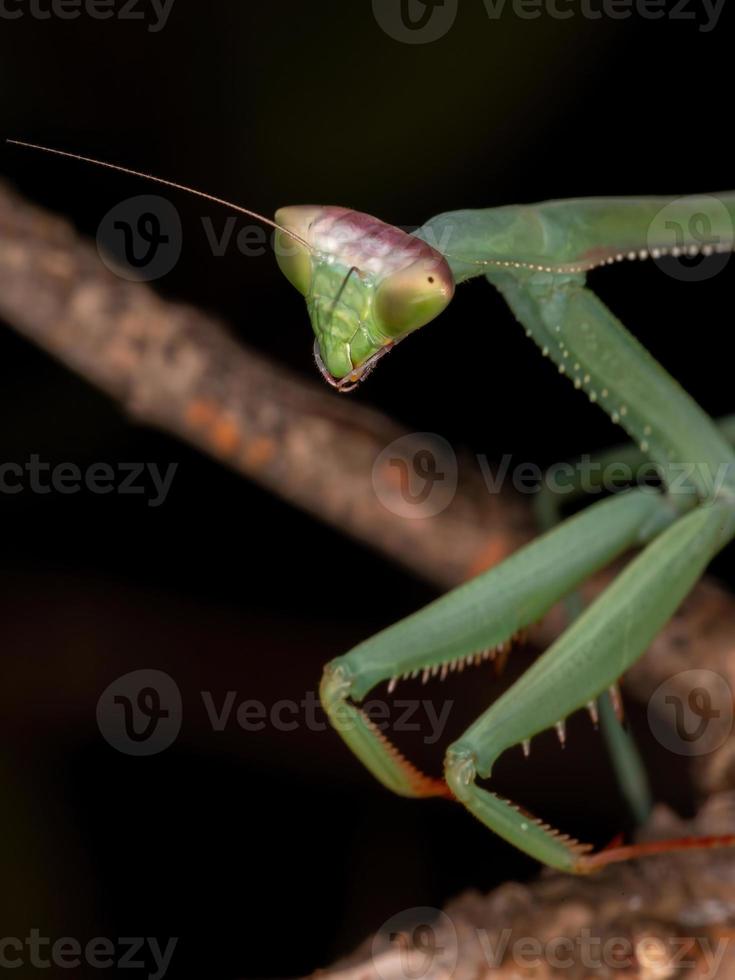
(652, 920)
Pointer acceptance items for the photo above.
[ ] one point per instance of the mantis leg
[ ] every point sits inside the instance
(626, 458)
(475, 620)
(589, 344)
(548, 506)
(626, 761)
(590, 656)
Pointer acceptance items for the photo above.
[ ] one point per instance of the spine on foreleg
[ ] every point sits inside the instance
(603, 359)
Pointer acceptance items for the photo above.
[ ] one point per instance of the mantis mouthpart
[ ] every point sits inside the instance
(369, 285)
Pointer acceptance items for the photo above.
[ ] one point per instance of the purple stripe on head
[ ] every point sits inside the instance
(371, 245)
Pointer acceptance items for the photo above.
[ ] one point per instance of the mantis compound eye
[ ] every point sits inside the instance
(411, 297)
(294, 259)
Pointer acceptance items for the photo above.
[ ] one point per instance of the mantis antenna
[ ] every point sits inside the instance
(165, 183)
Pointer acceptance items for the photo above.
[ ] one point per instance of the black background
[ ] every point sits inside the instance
(270, 854)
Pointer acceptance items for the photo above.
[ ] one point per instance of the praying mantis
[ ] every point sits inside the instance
(367, 286)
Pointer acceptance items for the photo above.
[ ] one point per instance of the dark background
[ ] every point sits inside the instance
(269, 854)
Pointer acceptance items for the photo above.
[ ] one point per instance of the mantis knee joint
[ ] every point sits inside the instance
(460, 771)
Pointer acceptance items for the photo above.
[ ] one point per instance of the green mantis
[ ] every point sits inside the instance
(367, 286)
(538, 258)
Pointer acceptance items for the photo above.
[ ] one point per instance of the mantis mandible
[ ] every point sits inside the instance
(369, 285)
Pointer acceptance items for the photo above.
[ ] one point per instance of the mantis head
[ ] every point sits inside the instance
(367, 285)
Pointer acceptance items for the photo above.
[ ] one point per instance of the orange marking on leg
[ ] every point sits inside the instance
(630, 852)
(421, 784)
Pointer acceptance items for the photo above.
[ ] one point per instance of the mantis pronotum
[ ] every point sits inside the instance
(367, 286)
